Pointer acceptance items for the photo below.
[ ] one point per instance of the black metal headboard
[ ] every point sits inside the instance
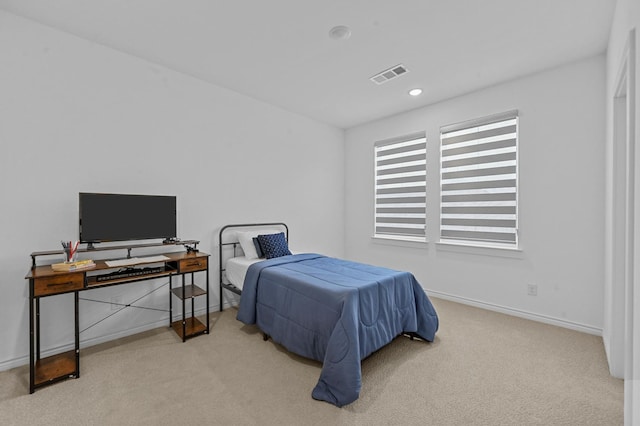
(231, 240)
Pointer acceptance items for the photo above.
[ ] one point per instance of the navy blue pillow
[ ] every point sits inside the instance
(274, 245)
(256, 243)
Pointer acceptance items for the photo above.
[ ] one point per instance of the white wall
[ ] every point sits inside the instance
(77, 116)
(561, 200)
(621, 343)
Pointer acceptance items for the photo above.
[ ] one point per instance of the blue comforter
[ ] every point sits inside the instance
(334, 311)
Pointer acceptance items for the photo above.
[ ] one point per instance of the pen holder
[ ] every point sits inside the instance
(69, 257)
(70, 250)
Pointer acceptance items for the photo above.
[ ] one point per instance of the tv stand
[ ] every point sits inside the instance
(45, 282)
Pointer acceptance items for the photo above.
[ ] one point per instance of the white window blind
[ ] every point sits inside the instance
(400, 188)
(479, 181)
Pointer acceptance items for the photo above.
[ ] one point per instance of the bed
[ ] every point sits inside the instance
(327, 309)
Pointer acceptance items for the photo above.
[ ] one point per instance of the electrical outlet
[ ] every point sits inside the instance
(532, 289)
(116, 302)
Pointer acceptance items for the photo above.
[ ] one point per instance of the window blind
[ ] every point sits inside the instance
(400, 187)
(479, 180)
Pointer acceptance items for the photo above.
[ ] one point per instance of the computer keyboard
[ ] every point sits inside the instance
(129, 272)
(135, 261)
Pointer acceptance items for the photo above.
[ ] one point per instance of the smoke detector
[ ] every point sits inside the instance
(340, 32)
(390, 74)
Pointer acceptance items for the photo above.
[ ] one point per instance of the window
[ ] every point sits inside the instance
(400, 188)
(479, 181)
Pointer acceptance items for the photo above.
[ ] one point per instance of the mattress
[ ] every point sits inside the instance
(236, 269)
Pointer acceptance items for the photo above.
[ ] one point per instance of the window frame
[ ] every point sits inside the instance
(483, 242)
(421, 237)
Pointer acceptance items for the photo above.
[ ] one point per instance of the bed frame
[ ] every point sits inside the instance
(228, 245)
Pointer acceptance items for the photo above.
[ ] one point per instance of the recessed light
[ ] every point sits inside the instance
(340, 32)
(415, 92)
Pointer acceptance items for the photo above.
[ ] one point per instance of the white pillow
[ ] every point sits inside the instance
(245, 238)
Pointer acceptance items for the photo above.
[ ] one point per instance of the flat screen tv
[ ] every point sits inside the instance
(125, 217)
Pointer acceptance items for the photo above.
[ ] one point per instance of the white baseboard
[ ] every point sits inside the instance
(517, 313)
(227, 305)
(164, 322)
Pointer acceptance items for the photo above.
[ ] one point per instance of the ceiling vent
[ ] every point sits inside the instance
(389, 74)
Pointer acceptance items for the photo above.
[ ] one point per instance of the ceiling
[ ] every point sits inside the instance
(280, 52)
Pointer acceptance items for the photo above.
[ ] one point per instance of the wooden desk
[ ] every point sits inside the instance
(44, 282)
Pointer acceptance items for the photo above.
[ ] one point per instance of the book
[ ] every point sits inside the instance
(73, 266)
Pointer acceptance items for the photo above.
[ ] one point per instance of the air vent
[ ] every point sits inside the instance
(389, 74)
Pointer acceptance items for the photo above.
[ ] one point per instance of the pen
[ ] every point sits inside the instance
(74, 248)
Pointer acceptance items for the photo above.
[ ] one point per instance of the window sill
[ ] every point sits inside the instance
(400, 242)
(486, 250)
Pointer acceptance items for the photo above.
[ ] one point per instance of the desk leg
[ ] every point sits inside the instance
(37, 329)
(77, 331)
(184, 322)
(208, 299)
(170, 300)
(32, 361)
(193, 299)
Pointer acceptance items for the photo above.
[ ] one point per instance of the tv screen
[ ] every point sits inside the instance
(123, 217)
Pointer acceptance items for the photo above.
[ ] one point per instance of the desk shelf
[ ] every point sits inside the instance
(127, 247)
(193, 327)
(190, 291)
(92, 281)
(55, 367)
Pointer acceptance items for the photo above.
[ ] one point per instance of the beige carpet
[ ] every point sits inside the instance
(484, 368)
